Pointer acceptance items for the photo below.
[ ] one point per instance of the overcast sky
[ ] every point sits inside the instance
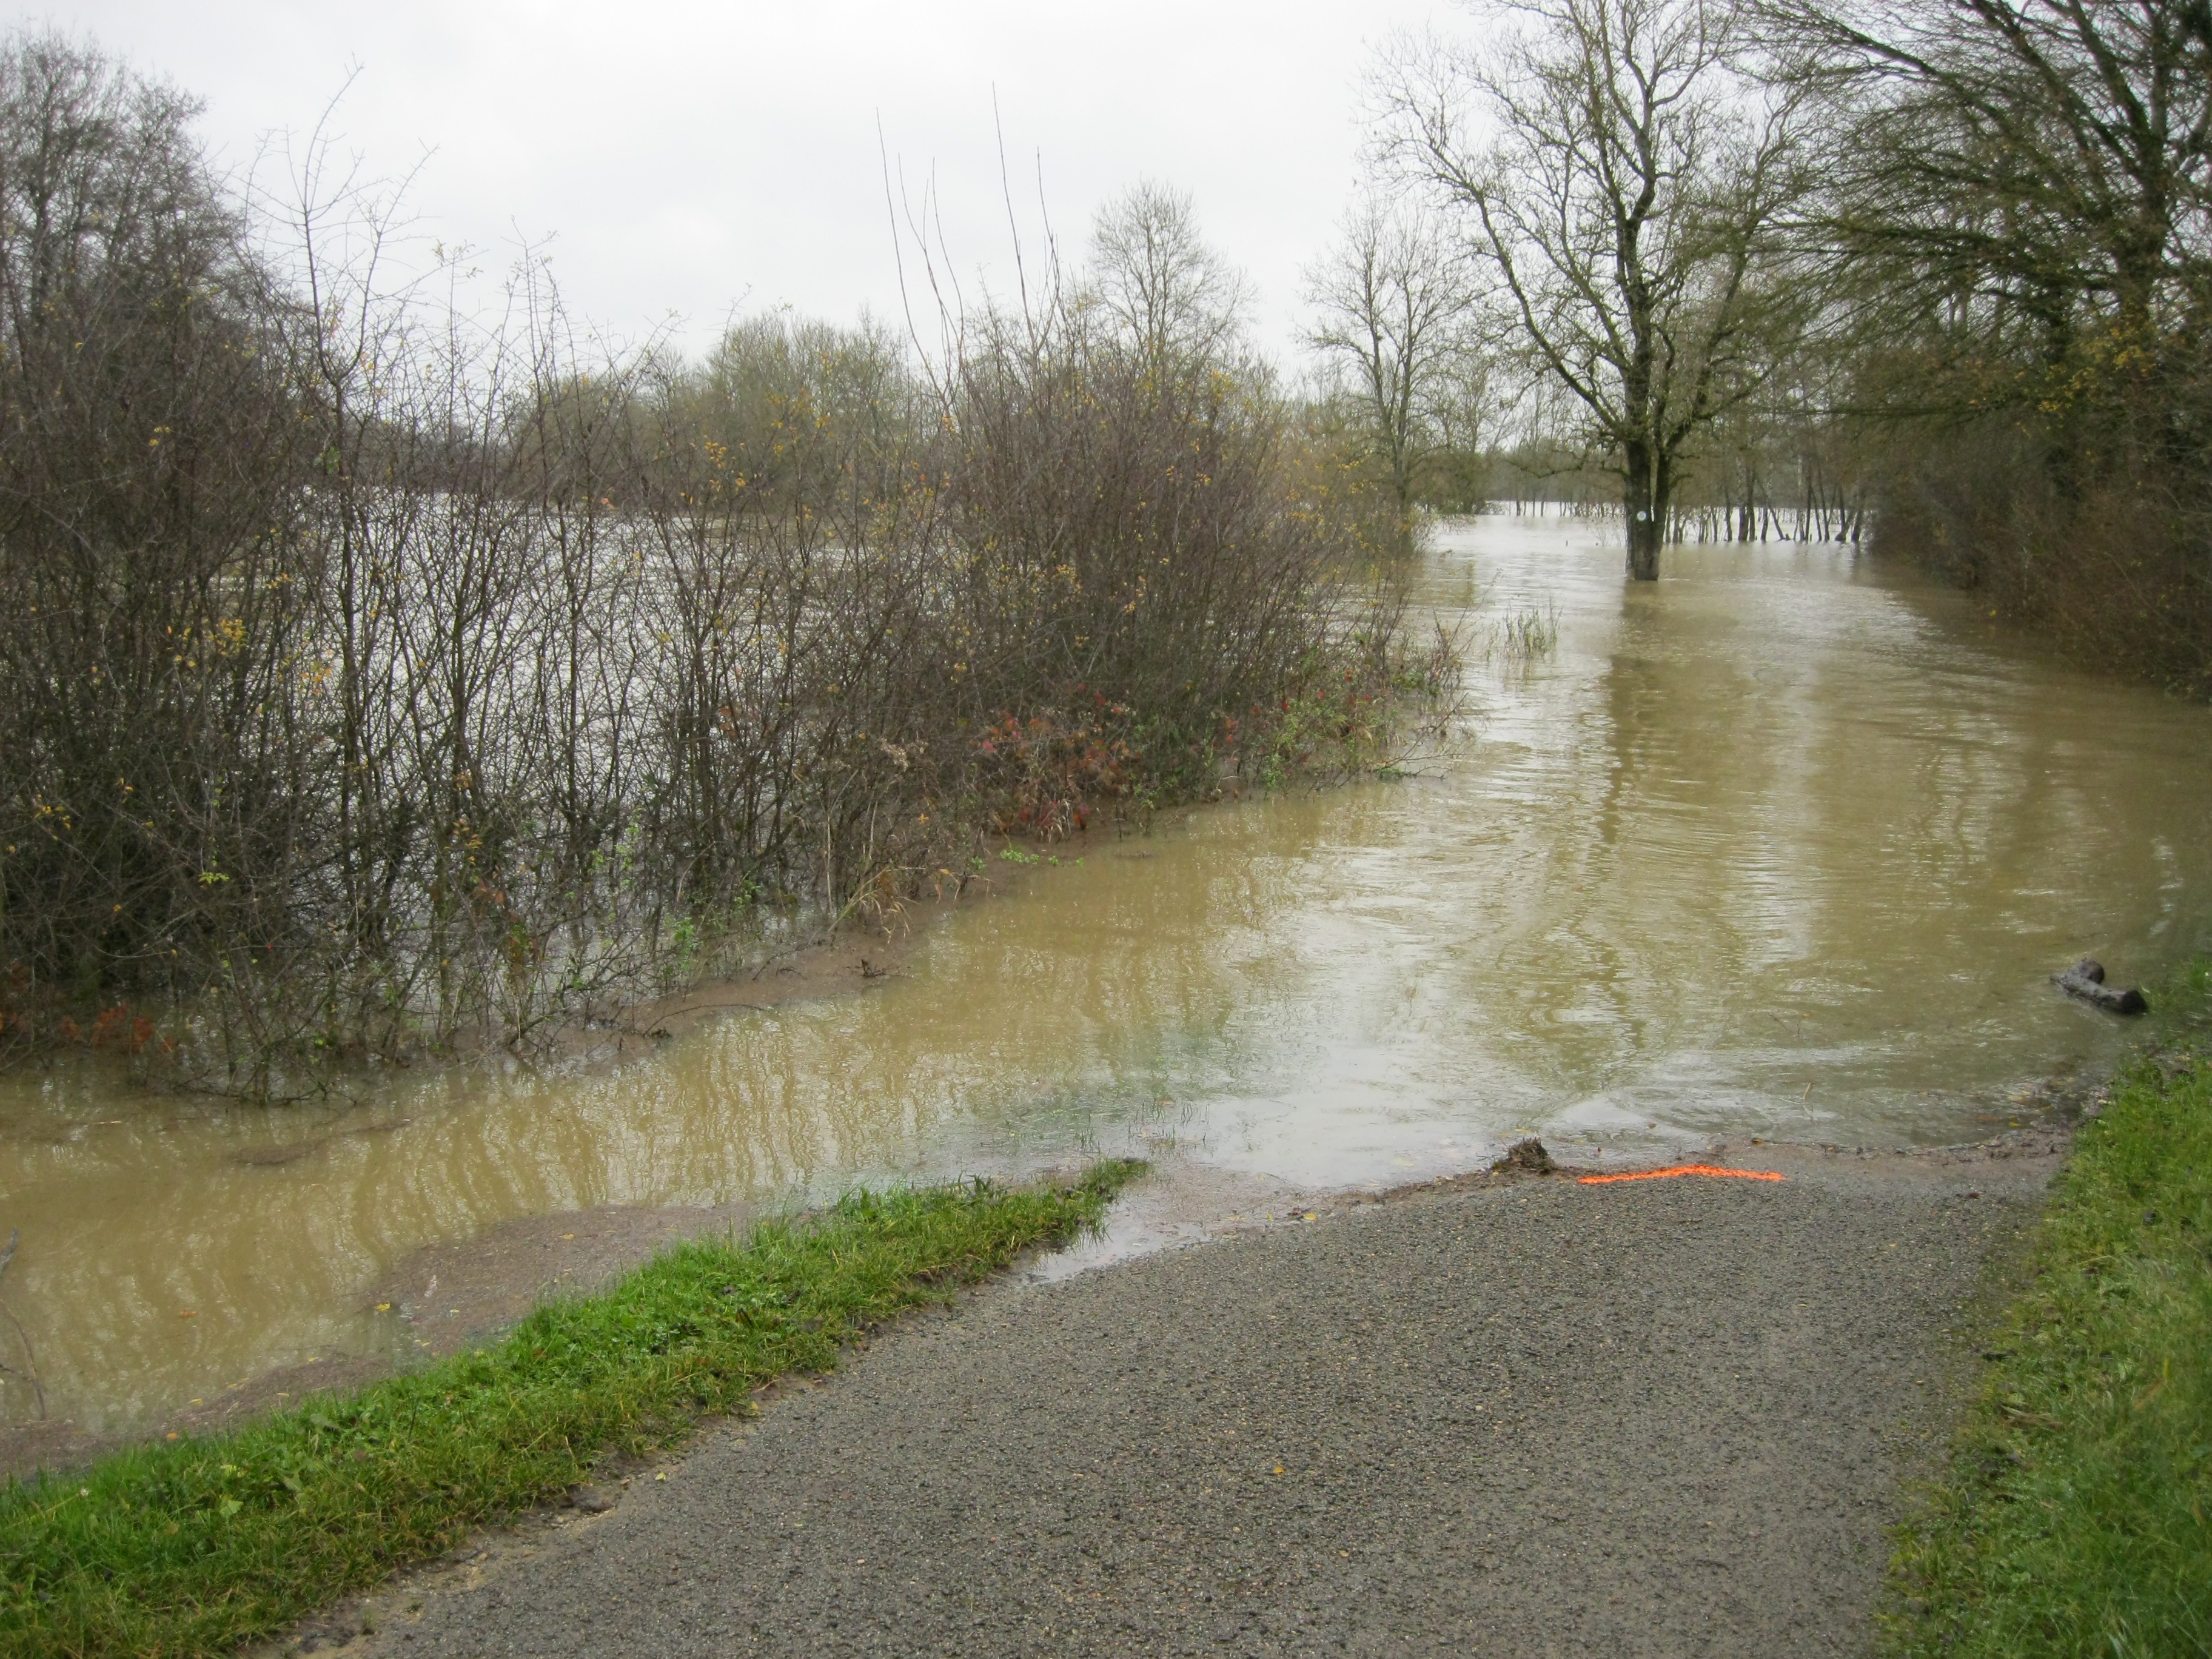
(689, 158)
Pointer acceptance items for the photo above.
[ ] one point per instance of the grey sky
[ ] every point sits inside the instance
(691, 158)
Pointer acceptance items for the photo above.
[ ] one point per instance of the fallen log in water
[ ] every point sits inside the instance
(2086, 980)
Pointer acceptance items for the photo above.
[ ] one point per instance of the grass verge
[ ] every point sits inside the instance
(2076, 1516)
(193, 1547)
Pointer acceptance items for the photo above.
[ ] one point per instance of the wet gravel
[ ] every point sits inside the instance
(1648, 1418)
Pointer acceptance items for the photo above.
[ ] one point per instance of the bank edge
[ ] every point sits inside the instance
(2074, 1514)
(191, 1547)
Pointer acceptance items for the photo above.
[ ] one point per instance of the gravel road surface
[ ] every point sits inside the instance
(1654, 1418)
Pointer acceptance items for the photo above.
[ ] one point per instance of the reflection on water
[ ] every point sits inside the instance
(1776, 845)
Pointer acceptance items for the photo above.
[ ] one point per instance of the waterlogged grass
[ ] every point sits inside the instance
(2077, 1516)
(188, 1548)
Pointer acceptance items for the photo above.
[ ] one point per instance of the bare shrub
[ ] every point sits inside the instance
(385, 676)
(1526, 636)
(151, 491)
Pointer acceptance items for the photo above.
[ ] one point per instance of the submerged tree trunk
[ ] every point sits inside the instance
(1643, 506)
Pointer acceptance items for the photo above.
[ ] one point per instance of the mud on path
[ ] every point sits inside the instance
(1664, 1417)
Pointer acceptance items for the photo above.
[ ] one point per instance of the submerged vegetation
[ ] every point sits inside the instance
(192, 1546)
(2076, 1514)
(382, 677)
(1528, 635)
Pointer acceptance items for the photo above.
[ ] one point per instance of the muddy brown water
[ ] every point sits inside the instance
(1784, 846)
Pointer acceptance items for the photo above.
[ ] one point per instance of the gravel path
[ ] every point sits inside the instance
(1656, 1418)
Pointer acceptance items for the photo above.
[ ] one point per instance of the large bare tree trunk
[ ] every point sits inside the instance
(1643, 547)
(1643, 510)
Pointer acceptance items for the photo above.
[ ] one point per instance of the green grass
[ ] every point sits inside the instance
(191, 1547)
(2075, 1516)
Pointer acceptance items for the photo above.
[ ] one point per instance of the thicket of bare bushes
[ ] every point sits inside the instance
(378, 675)
(2116, 569)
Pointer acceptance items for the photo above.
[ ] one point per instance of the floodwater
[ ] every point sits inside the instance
(1784, 845)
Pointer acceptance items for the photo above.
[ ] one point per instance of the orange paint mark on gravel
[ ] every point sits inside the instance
(1681, 1170)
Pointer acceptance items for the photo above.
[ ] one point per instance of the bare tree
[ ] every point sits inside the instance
(2023, 185)
(1626, 179)
(2055, 154)
(1395, 300)
(1152, 272)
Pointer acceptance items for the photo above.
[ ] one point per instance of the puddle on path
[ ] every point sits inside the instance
(1777, 848)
